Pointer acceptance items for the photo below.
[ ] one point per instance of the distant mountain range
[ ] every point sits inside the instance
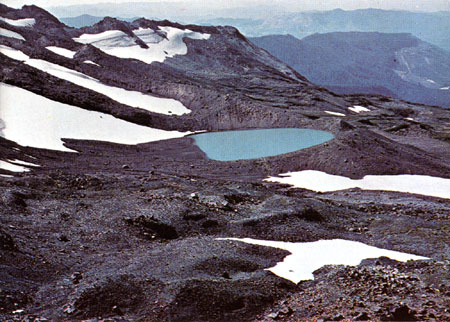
(431, 27)
(187, 11)
(397, 65)
(87, 20)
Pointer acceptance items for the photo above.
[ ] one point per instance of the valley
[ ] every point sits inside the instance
(395, 65)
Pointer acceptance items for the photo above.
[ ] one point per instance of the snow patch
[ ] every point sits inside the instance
(358, 109)
(334, 113)
(62, 51)
(154, 104)
(18, 311)
(6, 176)
(91, 62)
(36, 121)
(12, 167)
(27, 22)
(305, 258)
(119, 44)
(11, 34)
(445, 88)
(431, 81)
(13, 53)
(28, 164)
(324, 182)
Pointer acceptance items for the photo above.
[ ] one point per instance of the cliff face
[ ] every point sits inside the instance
(129, 231)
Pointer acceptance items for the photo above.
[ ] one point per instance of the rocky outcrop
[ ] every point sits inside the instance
(381, 290)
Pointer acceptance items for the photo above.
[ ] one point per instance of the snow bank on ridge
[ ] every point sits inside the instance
(11, 34)
(117, 43)
(27, 22)
(12, 167)
(13, 53)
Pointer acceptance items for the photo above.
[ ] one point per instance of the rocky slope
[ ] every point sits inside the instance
(128, 232)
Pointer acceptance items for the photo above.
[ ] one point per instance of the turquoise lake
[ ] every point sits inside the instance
(253, 144)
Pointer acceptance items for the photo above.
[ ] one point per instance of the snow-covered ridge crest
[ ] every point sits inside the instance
(118, 43)
(26, 22)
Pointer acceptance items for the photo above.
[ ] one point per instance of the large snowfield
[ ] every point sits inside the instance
(307, 257)
(324, 182)
(33, 120)
(119, 44)
(150, 103)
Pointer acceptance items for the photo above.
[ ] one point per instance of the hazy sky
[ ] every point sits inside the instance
(297, 5)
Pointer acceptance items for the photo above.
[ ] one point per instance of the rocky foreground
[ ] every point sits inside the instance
(139, 243)
(129, 233)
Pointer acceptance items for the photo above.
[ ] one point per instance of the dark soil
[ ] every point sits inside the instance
(83, 242)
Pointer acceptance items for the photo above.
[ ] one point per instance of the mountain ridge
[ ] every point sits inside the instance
(86, 20)
(404, 65)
